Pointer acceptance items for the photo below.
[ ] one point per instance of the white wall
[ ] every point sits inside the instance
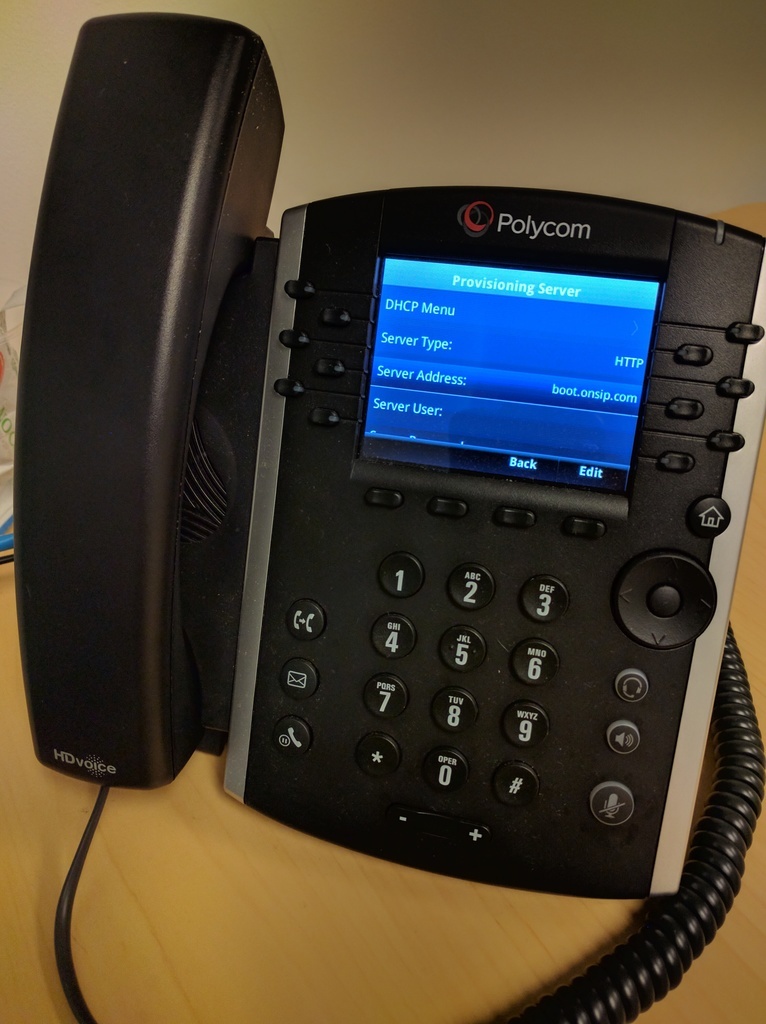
(658, 100)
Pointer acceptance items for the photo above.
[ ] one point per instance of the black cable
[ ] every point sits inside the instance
(5, 559)
(62, 933)
(635, 975)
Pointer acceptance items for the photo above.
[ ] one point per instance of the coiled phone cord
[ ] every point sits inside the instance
(640, 972)
(644, 969)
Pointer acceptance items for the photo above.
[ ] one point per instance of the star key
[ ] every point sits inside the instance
(378, 754)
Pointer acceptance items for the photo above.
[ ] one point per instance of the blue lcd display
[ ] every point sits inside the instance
(519, 373)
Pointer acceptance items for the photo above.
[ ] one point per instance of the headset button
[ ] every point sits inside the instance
(631, 685)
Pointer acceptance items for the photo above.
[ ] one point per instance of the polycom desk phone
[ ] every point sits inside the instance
(433, 505)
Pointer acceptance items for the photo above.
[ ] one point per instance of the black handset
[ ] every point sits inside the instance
(159, 179)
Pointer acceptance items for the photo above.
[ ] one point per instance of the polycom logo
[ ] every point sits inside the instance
(476, 218)
(92, 763)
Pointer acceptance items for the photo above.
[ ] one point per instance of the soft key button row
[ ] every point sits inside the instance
(515, 518)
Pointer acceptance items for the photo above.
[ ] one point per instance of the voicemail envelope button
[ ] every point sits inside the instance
(299, 678)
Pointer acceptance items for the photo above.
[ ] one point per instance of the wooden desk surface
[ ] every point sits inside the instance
(193, 909)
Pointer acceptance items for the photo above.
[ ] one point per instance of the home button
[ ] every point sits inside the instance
(708, 517)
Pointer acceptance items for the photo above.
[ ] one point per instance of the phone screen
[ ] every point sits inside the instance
(514, 372)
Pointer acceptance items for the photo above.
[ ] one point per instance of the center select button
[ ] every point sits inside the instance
(664, 601)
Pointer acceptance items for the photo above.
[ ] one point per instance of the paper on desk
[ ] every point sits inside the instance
(11, 316)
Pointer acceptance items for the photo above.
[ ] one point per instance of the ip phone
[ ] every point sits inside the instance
(432, 506)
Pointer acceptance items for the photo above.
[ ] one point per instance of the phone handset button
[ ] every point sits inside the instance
(306, 619)
(292, 736)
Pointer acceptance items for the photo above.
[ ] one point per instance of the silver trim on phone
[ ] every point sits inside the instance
(264, 499)
(708, 651)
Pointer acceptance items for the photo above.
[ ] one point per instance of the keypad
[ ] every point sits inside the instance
(462, 648)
